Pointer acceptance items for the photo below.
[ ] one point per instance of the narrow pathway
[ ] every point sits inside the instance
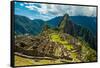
(33, 57)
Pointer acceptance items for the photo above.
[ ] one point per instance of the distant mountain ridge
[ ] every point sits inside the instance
(54, 21)
(24, 25)
(84, 21)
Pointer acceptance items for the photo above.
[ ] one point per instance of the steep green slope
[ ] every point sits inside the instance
(24, 25)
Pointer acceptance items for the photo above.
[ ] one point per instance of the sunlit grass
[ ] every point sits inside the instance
(20, 61)
(56, 38)
(69, 47)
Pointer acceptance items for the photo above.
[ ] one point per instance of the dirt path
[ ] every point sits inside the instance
(33, 57)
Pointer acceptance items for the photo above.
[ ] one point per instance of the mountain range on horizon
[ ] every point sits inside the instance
(84, 21)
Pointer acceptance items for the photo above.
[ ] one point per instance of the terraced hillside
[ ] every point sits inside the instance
(52, 46)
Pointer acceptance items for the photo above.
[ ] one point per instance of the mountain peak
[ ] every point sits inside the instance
(66, 15)
(63, 22)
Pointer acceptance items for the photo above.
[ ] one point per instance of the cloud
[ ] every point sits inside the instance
(62, 9)
(21, 4)
(84, 11)
(73, 10)
(48, 11)
(31, 7)
(38, 8)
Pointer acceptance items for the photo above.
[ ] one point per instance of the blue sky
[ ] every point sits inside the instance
(48, 11)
